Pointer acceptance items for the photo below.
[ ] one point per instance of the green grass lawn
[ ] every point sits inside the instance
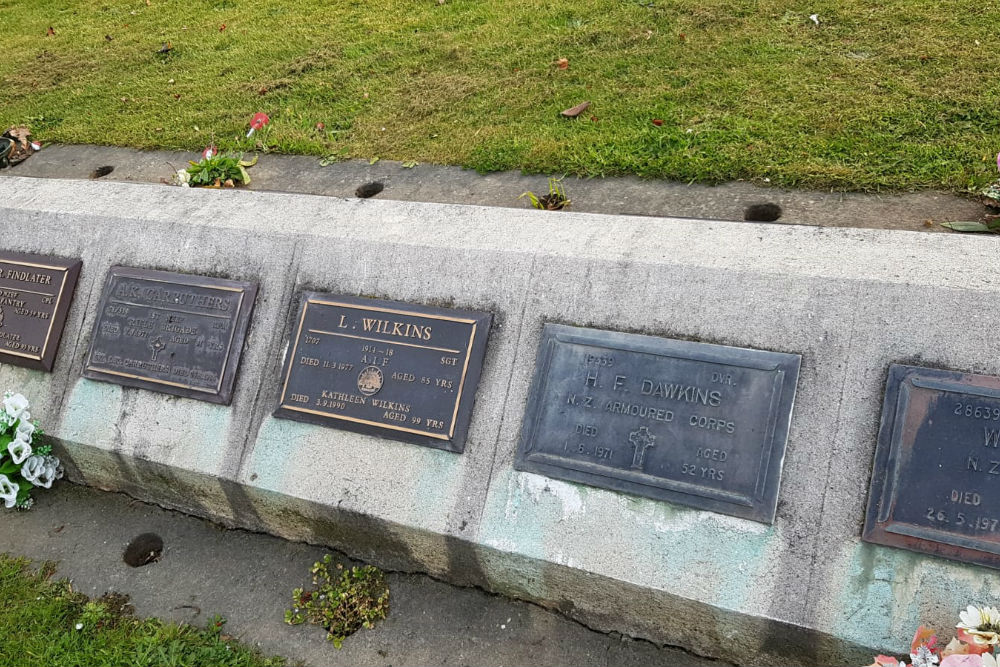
(893, 94)
(39, 619)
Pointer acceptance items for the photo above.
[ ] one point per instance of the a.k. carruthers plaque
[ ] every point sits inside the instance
(171, 332)
(35, 295)
(399, 370)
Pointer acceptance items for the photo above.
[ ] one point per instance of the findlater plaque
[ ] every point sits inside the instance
(35, 294)
(393, 369)
(692, 423)
(171, 332)
(936, 481)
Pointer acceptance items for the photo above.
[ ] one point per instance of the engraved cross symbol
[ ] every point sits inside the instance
(156, 344)
(641, 440)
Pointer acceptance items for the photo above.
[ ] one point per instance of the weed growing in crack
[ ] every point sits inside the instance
(343, 602)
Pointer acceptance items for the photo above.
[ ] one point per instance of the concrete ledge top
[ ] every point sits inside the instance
(892, 256)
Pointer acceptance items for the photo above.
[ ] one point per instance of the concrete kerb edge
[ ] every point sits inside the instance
(648, 247)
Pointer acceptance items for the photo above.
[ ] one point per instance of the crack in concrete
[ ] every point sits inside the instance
(425, 575)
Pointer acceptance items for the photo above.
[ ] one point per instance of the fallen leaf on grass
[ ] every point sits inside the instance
(19, 134)
(320, 126)
(573, 112)
(108, 37)
(373, 160)
(563, 63)
(410, 164)
(682, 36)
(50, 32)
(657, 122)
(222, 27)
(814, 18)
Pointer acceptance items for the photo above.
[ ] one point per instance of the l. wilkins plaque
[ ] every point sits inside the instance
(399, 370)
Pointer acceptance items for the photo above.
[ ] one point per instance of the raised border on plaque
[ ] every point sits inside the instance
(904, 413)
(757, 505)
(222, 392)
(472, 347)
(70, 271)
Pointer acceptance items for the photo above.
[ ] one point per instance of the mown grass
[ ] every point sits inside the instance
(881, 94)
(38, 626)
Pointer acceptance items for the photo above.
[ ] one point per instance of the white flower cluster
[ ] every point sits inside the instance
(36, 469)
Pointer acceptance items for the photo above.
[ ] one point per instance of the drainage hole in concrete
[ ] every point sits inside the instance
(766, 212)
(143, 550)
(102, 171)
(369, 189)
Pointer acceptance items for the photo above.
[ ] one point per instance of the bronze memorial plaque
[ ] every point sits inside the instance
(393, 369)
(171, 332)
(693, 423)
(936, 482)
(35, 295)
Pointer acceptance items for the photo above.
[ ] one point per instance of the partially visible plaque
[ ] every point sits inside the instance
(936, 481)
(393, 369)
(692, 423)
(171, 332)
(35, 295)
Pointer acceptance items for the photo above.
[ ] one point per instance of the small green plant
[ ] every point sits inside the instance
(343, 602)
(554, 201)
(219, 171)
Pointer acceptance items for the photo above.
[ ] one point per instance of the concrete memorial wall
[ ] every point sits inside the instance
(666, 428)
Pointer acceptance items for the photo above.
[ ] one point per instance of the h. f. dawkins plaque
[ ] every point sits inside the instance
(171, 332)
(936, 481)
(35, 295)
(693, 423)
(394, 369)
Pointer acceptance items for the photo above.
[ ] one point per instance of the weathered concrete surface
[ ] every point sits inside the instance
(248, 579)
(453, 185)
(849, 301)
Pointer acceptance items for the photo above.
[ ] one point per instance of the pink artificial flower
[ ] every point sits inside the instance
(210, 151)
(962, 660)
(976, 645)
(258, 121)
(884, 661)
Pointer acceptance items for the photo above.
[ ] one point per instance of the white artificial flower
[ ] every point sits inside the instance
(8, 491)
(25, 416)
(56, 465)
(26, 429)
(33, 469)
(19, 450)
(974, 618)
(982, 623)
(15, 404)
(51, 471)
(923, 657)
